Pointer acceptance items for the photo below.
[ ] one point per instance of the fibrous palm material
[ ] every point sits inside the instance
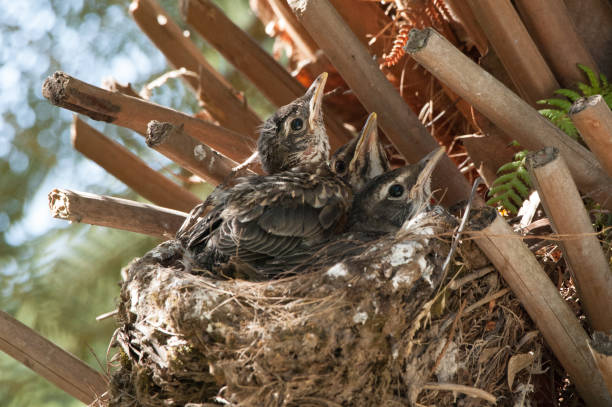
(381, 327)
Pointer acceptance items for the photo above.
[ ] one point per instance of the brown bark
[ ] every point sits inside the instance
(221, 99)
(549, 22)
(130, 169)
(601, 348)
(515, 48)
(488, 151)
(555, 320)
(65, 91)
(114, 86)
(375, 92)
(299, 35)
(593, 119)
(170, 140)
(115, 213)
(271, 78)
(506, 110)
(581, 248)
(470, 24)
(61, 368)
(593, 22)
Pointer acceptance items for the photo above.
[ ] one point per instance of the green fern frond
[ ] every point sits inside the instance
(561, 120)
(562, 104)
(504, 200)
(502, 182)
(559, 117)
(568, 93)
(521, 155)
(522, 189)
(604, 81)
(511, 166)
(552, 114)
(512, 187)
(586, 89)
(595, 87)
(523, 174)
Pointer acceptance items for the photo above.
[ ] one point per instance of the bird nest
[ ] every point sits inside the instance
(383, 327)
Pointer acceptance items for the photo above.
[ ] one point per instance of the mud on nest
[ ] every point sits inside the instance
(379, 328)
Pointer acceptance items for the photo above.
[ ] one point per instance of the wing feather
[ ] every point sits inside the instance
(266, 217)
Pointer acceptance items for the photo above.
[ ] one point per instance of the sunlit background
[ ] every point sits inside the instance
(57, 277)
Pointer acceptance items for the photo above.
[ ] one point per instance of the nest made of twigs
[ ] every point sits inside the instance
(384, 327)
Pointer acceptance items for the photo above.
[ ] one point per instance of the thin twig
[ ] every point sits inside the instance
(486, 300)
(467, 390)
(450, 338)
(457, 234)
(476, 274)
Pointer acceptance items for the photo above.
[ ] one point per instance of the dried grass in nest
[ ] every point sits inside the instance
(380, 328)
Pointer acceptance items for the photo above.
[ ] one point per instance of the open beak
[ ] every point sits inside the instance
(421, 190)
(315, 93)
(368, 152)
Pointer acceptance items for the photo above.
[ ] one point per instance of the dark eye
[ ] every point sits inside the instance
(297, 124)
(340, 167)
(396, 190)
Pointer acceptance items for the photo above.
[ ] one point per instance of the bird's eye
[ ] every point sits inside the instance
(297, 124)
(396, 190)
(340, 167)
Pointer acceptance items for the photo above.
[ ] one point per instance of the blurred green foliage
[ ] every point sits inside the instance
(55, 277)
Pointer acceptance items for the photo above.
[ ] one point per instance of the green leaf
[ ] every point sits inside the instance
(520, 156)
(503, 179)
(499, 190)
(524, 176)
(523, 190)
(586, 89)
(510, 206)
(566, 124)
(513, 196)
(604, 81)
(593, 80)
(494, 200)
(570, 94)
(509, 190)
(511, 166)
(551, 114)
(562, 104)
(561, 120)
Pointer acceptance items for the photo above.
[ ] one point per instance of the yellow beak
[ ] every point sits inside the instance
(427, 165)
(316, 92)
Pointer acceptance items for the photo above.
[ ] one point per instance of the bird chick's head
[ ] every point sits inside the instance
(394, 197)
(361, 159)
(295, 134)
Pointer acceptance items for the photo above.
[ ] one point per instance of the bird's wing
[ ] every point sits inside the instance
(202, 230)
(320, 256)
(272, 217)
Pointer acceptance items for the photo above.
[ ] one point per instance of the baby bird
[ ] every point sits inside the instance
(361, 159)
(390, 199)
(295, 136)
(300, 203)
(380, 208)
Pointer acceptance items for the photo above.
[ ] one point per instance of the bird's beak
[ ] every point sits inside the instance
(420, 191)
(315, 93)
(369, 152)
